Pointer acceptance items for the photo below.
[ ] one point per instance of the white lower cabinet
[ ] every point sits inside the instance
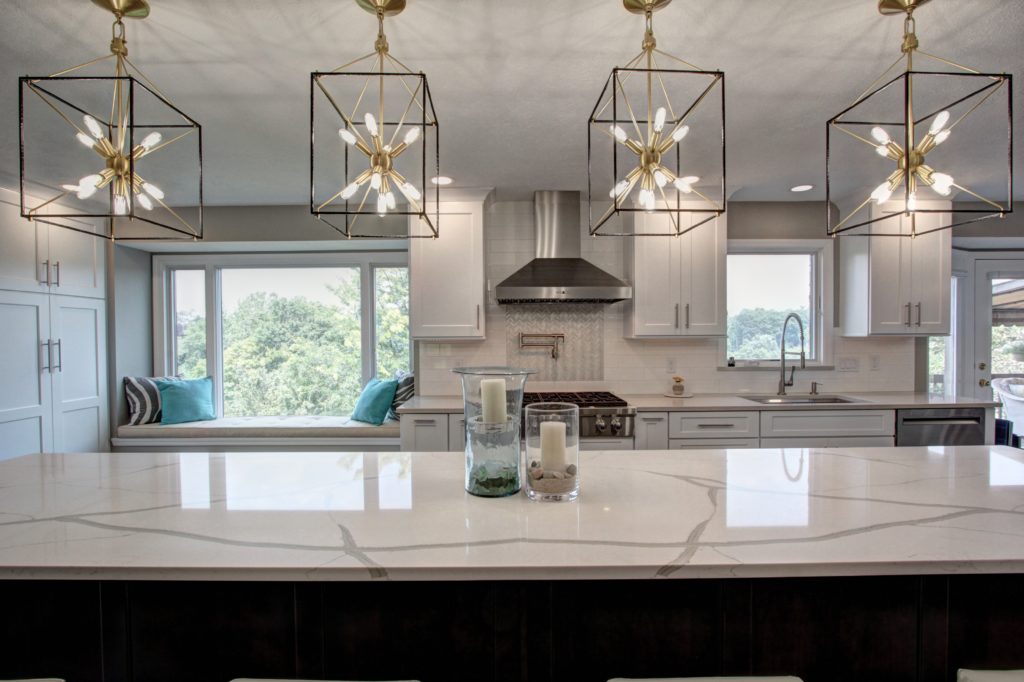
(424, 432)
(703, 443)
(650, 431)
(53, 384)
(713, 425)
(456, 432)
(815, 425)
(829, 442)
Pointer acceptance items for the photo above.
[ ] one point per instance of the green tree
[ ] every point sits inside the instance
(392, 296)
(755, 333)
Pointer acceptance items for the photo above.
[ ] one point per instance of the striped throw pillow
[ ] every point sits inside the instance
(406, 389)
(143, 399)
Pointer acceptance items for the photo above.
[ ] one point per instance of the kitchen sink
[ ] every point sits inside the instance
(800, 399)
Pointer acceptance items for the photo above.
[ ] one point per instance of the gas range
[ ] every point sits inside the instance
(602, 414)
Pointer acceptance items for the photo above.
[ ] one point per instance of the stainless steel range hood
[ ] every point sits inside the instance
(557, 274)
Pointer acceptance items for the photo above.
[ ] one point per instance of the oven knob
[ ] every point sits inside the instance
(599, 424)
(616, 425)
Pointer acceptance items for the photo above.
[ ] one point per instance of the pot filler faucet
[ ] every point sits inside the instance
(803, 363)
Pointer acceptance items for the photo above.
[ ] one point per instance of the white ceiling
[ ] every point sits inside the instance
(513, 80)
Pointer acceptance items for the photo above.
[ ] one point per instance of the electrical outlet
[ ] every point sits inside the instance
(875, 363)
(670, 365)
(848, 364)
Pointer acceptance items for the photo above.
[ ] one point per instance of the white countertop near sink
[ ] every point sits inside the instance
(714, 402)
(399, 516)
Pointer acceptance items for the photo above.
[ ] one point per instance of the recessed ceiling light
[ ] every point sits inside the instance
(802, 188)
(442, 180)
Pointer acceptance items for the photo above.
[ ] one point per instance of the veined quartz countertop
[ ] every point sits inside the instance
(401, 516)
(712, 401)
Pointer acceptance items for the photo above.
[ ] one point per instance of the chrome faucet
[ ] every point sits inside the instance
(803, 362)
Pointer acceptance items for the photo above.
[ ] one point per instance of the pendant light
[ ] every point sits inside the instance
(110, 146)
(656, 140)
(373, 150)
(923, 134)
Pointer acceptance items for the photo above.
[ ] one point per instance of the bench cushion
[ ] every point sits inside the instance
(264, 427)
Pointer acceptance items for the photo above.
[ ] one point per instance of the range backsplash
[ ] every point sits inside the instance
(581, 355)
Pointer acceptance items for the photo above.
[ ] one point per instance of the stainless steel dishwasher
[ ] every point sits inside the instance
(941, 426)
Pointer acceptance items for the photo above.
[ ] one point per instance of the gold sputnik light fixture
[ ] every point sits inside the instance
(647, 109)
(369, 155)
(121, 120)
(889, 116)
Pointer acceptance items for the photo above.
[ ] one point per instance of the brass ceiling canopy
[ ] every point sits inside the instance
(133, 9)
(644, 6)
(900, 6)
(388, 8)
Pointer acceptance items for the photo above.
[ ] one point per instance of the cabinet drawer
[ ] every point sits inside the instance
(785, 423)
(700, 443)
(829, 442)
(713, 425)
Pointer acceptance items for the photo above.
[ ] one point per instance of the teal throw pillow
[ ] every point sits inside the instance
(375, 401)
(186, 400)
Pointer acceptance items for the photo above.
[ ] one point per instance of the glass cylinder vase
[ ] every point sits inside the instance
(493, 399)
(552, 452)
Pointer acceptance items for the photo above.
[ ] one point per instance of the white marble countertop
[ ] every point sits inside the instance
(400, 516)
(712, 401)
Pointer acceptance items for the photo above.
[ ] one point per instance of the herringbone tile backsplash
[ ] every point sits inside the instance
(581, 356)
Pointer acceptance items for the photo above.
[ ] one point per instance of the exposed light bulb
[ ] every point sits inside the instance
(942, 137)
(371, 123)
(939, 123)
(390, 198)
(350, 190)
(375, 181)
(680, 133)
(411, 136)
(880, 135)
(152, 190)
(647, 199)
(660, 179)
(151, 140)
(91, 181)
(685, 185)
(618, 132)
(912, 202)
(382, 205)
(942, 183)
(85, 140)
(881, 193)
(410, 191)
(144, 201)
(120, 205)
(618, 189)
(93, 125)
(346, 135)
(882, 150)
(659, 119)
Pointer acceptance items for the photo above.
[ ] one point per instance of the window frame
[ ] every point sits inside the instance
(164, 265)
(823, 286)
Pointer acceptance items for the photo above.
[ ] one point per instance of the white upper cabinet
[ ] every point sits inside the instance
(678, 282)
(39, 257)
(897, 285)
(447, 275)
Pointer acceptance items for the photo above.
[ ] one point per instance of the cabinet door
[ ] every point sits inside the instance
(77, 262)
(447, 277)
(457, 432)
(931, 264)
(25, 425)
(424, 432)
(890, 284)
(651, 432)
(78, 328)
(23, 247)
(703, 279)
(657, 309)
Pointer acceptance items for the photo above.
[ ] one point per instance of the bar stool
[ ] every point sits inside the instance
(709, 679)
(964, 675)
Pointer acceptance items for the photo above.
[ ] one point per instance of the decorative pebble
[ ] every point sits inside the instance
(557, 475)
(536, 473)
(534, 464)
(571, 470)
(549, 474)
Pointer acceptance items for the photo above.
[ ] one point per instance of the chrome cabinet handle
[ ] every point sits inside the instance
(47, 281)
(687, 315)
(715, 426)
(60, 358)
(677, 316)
(478, 316)
(919, 314)
(44, 360)
(908, 314)
(424, 421)
(652, 420)
(56, 267)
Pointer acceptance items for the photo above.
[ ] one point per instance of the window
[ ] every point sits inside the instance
(767, 281)
(943, 350)
(292, 335)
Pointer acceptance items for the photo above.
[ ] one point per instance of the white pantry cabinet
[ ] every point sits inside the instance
(447, 292)
(678, 282)
(897, 285)
(39, 257)
(53, 384)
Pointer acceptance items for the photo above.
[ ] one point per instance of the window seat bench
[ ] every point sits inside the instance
(259, 433)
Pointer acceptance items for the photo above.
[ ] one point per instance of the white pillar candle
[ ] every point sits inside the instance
(552, 446)
(492, 401)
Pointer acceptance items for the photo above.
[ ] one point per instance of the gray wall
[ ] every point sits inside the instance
(130, 308)
(777, 220)
(281, 223)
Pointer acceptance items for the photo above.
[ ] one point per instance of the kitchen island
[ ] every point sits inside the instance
(858, 563)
